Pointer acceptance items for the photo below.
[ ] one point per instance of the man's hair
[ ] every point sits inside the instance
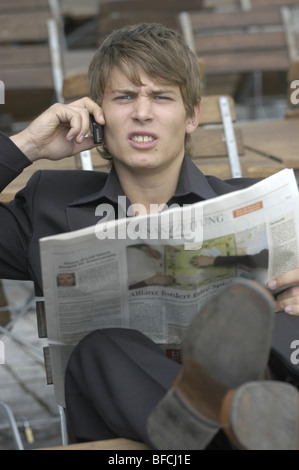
(157, 51)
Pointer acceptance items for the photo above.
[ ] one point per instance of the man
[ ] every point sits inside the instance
(144, 84)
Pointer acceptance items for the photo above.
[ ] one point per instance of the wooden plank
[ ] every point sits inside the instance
(17, 6)
(240, 62)
(221, 4)
(27, 78)
(218, 167)
(25, 105)
(258, 4)
(24, 27)
(18, 56)
(278, 140)
(79, 9)
(210, 111)
(211, 143)
(239, 42)
(77, 60)
(254, 4)
(133, 6)
(227, 85)
(204, 21)
(107, 24)
(75, 85)
(253, 165)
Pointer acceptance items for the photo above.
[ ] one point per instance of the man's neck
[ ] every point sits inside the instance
(148, 190)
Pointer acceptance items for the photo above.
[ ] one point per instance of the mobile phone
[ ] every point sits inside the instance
(97, 130)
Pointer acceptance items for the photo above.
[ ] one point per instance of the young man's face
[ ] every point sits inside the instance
(145, 126)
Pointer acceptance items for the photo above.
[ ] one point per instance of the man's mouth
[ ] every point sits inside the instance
(142, 138)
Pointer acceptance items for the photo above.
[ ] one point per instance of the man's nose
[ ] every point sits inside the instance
(142, 110)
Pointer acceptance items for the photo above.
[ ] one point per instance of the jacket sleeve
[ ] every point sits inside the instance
(12, 161)
(14, 223)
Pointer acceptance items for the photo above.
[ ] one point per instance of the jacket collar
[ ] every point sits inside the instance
(191, 181)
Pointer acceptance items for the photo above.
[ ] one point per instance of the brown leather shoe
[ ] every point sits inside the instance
(262, 416)
(227, 344)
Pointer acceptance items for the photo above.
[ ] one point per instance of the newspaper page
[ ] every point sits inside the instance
(153, 273)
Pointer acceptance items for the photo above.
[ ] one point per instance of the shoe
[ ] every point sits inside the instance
(262, 416)
(226, 345)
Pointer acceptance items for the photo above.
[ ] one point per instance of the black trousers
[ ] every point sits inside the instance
(113, 380)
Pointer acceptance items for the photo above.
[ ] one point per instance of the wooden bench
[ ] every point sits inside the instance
(275, 141)
(25, 57)
(210, 150)
(245, 5)
(79, 9)
(239, 44)
(115, 14)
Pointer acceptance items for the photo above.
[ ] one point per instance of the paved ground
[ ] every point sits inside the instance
(22, 381)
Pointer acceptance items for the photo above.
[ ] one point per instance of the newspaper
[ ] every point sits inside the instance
(153, 273)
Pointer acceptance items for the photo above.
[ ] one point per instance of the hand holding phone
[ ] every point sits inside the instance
(97, 130)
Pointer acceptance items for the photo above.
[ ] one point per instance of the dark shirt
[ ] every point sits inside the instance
(57, 201)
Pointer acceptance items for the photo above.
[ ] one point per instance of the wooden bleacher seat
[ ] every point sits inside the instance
(245, 5)
(239, 44)
(78, 9)
(115, 14)
(25, 57)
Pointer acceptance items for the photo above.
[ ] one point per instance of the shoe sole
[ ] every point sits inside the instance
(224, 348)
(262, 416)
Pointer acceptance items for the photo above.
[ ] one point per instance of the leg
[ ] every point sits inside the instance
(226, 345)
(113, 380)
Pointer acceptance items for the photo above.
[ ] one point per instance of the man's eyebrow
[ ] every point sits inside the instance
(162, 91)
(123, 91)
(128, 91)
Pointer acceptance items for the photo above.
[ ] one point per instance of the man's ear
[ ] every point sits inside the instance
(193, 121)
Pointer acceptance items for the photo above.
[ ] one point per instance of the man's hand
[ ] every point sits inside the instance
(288, 300)
(60, 131)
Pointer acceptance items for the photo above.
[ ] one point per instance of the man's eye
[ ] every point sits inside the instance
(161, 97)
(124, 97)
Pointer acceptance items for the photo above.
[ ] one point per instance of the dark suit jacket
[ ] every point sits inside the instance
(60, 201)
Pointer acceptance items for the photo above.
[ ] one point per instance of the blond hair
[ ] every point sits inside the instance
(161, 53)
